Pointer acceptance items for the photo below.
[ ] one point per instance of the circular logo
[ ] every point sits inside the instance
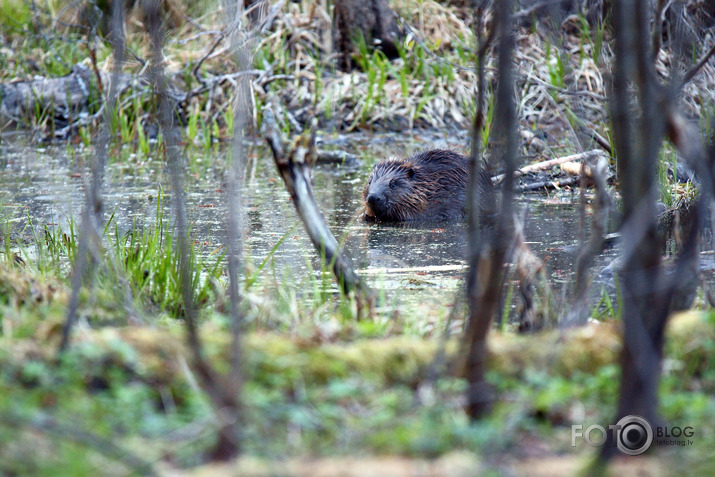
(634, 435)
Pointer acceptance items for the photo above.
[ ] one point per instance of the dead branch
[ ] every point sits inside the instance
(658, 19)
(489, 246)
(534, 286)
(544, 165)
(637, 138)
(545, 185)
(690, 74)
(209, 51)
(598, 173)
(92, 214)
(600, 140)
(293, 163)
(229, 441)
(221, 392)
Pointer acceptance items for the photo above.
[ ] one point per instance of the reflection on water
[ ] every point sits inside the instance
(46, 186)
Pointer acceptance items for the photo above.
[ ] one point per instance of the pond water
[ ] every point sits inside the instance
(418, 264)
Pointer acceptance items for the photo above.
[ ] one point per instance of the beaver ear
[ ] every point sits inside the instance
(410, 172)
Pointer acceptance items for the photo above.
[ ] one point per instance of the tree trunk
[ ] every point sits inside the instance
(373, 20)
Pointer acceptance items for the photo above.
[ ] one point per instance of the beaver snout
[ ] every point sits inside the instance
(374, 201)
(376, 204)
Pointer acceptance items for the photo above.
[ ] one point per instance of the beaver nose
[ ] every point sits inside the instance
(373, 201)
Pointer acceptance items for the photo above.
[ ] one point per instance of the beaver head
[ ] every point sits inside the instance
(429, 185)
(392, 192)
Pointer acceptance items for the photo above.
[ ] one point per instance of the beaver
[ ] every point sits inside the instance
(427, 186)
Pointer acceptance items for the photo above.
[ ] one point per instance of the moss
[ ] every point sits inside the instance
(275, 359)
(692, 348)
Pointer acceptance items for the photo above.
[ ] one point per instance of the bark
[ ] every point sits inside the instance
(637, 139)
(489, 234)
(66, 97)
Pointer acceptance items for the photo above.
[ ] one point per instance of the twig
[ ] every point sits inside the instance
(658, 19)
(195, 70)
(595, 96)
(525, 12)
(598, 173)
(207, 84)
(600, 140)
(219, 391)
(92, 215)
(199, 35)
(690, 74)
(489, 246)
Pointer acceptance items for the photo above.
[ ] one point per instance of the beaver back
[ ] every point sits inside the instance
(427, 186)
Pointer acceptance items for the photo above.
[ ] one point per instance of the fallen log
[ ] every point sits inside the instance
(336, 157)
(77, 99)
(555, 184)
(67, 102)
(67, 95)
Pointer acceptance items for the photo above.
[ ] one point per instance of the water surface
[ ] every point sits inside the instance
(422, 264)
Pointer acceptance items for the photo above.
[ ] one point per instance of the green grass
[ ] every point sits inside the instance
(556, 66)
(15, 16)
(149, 257)
(425, 72)
(668, 192)
(146, 256)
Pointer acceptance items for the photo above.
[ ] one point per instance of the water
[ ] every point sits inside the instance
(419, 264)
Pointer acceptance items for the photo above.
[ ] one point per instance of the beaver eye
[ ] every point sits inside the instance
(393, 184)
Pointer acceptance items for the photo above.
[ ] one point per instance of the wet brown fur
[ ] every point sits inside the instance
(427, 186)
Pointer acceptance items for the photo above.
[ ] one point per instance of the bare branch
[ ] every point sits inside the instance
(690, 74)
(658, 19)
(489, 246)
(195, 70)
(544, 165)
(599, 176)
(92, 216)
(223, 395)
(293, 165)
